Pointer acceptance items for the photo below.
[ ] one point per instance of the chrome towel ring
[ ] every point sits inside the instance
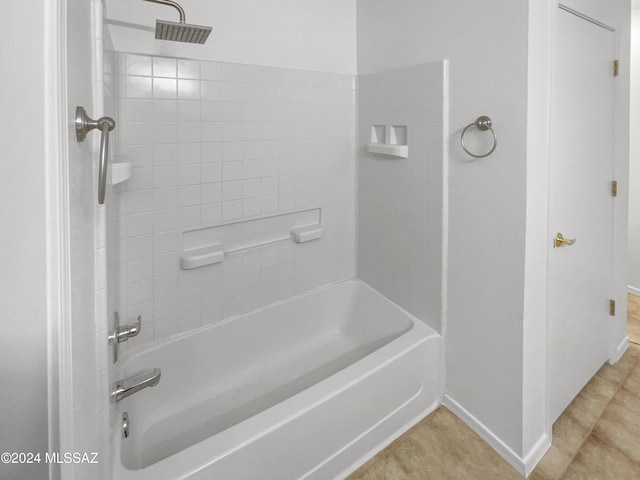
(482, 123)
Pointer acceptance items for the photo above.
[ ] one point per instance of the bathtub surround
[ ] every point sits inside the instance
(402, 209)
(213, 143)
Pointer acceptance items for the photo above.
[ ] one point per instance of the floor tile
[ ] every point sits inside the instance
(632, 382)
(598, 461)
(553, 464)
(569, 435)
(586, 408)
(384, 468)
(619, 427)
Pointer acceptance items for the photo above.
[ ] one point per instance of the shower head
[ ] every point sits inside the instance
(179, 32)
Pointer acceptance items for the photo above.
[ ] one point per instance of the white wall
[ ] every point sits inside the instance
(23, 294)
(308, 34)
(634, 161)
(487, 47)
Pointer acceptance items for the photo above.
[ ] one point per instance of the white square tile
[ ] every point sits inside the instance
(211, 70)
(211, 111)
(231, 190)
(164, 67)
(211, 172)
(211, 192)
(210, 90)
(165, 285)
(165, 176)
(211, 213)
(188, 153)
(189, 195)
(189, 217)
(211, 131)
(138, 87)
(211, 152)
(189, 174)
(232, 210)
(165, 242)
(138, 65)
(189, 69)
(251, 207)
(188, 89)
(165, 263)
(189, 132)
(232, 171)
(165, 198)
(139, 224)
(165, 88)
(188, 111)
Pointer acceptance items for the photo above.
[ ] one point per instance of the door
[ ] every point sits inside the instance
(581, 205)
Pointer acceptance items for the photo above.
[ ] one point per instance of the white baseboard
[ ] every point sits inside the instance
(620, 349)
(524, 465)
(633, 290)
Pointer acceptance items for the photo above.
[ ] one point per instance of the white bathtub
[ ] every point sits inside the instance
(309, 388)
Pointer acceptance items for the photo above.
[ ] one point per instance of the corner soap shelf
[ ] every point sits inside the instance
(389, 140)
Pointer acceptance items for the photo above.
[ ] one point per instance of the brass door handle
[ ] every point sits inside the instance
(560, 241)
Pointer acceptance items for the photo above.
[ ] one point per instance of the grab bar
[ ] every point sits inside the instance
(84, 124)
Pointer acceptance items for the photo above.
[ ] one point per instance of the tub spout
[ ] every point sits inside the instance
(135, 383)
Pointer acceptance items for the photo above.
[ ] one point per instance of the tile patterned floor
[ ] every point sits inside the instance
(596, 438)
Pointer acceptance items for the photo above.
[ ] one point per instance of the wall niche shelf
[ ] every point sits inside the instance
(389, 140)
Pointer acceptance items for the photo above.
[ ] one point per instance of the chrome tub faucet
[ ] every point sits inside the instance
(135, 383)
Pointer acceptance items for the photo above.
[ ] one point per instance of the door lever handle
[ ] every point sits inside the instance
(560, 241)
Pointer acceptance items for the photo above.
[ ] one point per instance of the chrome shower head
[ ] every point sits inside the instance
(179, 32)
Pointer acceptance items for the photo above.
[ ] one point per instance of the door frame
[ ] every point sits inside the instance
(58, 243)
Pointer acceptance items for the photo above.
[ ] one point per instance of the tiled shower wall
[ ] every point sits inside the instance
(213, 143)
(403, 209)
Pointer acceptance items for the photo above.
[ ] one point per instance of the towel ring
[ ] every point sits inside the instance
(483, 123)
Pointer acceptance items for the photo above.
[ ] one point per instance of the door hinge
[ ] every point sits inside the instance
(612, 308)
(616, 68)
(614, 188)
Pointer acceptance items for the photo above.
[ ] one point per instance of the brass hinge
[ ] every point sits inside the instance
(614, 189)
(612, 308)
(616, 68)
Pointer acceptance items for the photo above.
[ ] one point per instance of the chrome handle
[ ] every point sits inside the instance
(560, 241)
(122, 334)
(84, 124)
(128, 331)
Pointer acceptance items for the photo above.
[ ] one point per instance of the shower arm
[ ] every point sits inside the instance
(183, 17)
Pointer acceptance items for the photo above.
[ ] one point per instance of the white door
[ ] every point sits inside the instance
(581, 205)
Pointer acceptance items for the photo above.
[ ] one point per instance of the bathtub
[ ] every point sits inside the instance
(309, 388)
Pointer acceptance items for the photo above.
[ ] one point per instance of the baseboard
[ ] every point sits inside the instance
(524, 465)
(633, 290)
(620, 349)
